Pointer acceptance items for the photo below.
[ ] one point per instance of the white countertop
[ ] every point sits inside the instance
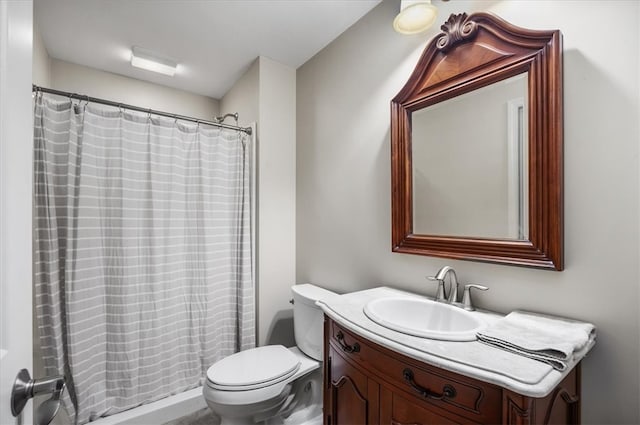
(473, 359)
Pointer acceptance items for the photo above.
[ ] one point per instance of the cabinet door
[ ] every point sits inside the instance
(347, 393)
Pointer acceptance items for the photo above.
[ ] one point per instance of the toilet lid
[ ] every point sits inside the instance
(254, 368)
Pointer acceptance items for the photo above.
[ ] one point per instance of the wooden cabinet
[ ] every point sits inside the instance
(349, 392)
(366, 383)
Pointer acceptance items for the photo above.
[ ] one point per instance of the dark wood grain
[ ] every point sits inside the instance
(473, 52)
(367, 388)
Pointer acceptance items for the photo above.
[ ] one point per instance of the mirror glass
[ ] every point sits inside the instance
(470, 163)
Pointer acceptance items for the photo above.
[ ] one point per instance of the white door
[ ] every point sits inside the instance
(16, 134)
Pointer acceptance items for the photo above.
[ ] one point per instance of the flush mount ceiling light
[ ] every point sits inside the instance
(415, 16)
(146, 59)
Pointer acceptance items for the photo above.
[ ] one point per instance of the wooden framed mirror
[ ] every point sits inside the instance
(476, 146)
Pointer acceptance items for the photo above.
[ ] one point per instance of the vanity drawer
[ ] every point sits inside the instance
(399, 410)
(467, 397)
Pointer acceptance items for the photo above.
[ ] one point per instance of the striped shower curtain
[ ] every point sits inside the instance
(142, 252)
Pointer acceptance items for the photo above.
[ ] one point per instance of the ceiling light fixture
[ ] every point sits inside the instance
(146, 59)
(415, 16)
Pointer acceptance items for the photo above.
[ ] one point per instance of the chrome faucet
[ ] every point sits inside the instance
(441, 294)
(442, 275)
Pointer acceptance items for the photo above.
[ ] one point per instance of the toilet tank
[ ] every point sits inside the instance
(308, 320)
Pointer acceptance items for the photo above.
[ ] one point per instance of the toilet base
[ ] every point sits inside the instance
(274, 404)
(300, 403)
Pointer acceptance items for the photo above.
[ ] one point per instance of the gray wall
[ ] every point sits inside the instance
(41, 60)
(266, 94)
(343, 181)
(92, 82)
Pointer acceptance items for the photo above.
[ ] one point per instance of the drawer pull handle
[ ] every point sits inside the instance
(447, 391)
(346, 347)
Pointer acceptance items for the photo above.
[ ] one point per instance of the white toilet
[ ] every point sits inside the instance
(273, 384)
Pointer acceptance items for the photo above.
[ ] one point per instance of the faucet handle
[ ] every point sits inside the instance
(466, 297)
(440, 294)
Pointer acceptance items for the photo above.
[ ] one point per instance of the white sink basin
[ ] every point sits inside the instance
(424, 318)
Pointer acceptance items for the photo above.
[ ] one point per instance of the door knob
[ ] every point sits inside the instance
(25, 388)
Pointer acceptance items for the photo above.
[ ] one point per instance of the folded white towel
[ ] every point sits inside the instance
(552, 340)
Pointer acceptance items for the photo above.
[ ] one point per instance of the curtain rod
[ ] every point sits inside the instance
(136, 108)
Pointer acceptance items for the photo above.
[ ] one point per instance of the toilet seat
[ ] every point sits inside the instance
(271, 390)
(253, 369)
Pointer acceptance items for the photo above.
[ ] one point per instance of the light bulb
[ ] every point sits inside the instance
(415, 16)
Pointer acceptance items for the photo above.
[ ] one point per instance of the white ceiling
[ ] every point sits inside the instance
(214, 41)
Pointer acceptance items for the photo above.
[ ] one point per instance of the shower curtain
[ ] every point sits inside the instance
(142, 252)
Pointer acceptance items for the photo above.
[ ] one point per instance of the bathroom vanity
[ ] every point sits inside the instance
(374, 375)
(483, 92)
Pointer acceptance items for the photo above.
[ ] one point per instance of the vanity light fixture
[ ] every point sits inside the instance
(146, 59)
(415, 16)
